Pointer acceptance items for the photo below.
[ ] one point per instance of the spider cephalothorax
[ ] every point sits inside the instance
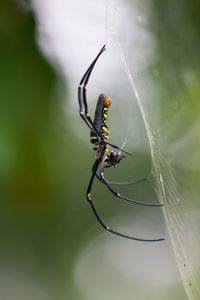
(112, 159)
(99, 135)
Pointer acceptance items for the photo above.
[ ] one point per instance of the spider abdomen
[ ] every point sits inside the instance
(100, 119)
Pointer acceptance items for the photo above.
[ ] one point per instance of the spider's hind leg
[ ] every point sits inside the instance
(123, 183)
(118, 195)
(108, 228)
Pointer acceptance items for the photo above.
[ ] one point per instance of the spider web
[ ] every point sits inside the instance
(182, 232)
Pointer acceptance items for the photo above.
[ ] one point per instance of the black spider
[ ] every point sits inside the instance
(99, 135)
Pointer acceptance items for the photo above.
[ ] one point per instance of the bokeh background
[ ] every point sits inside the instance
(51, 246)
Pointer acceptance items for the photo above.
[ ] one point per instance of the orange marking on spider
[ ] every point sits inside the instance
(107, 102)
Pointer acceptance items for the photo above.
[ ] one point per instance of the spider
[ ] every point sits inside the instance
(99, 135)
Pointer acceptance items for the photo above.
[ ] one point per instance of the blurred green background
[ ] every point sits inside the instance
(51, 246)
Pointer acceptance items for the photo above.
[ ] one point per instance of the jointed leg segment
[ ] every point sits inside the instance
(122, 183)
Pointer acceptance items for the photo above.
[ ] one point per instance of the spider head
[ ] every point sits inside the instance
(114, 158)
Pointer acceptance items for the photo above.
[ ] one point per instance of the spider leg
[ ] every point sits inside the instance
(116, 147)
(80, 99)
(84, 82)
(128, 182)
(102, 178)
(81, 109)
(88, 196)
(82, 96)
(89, 70)
(123, 183)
